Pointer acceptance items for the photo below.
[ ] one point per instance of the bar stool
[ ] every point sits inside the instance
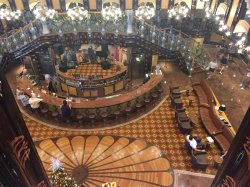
(154, 96)
(159, 90)
(55, 115)
(146, 101)
(45, 112)
(138, 106)
(92, 118)
(117, 114)
(104, 116)
(79, 118)
(128, 110)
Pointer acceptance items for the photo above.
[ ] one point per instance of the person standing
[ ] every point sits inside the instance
(66, 110)
(51, 87)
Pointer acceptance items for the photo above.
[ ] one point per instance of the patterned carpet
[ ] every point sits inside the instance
(159, 128)
(92, 69)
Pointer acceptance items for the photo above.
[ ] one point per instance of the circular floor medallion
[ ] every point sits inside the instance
(80, 173)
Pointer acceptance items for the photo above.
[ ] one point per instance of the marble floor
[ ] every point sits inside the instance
(190, 179)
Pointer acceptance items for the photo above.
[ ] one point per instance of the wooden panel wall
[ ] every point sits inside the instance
(19, 4)
(164, 4)
(56, 4)
(92, 5)
(128, 4)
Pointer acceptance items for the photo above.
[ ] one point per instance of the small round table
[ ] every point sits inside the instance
(191, 99)
(188, 89)
(217, 161)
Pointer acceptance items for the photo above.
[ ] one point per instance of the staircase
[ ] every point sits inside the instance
(167, 42)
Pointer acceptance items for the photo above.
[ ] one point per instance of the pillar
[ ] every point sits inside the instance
(130, 17)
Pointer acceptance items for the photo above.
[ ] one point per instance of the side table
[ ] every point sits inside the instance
(217, 161)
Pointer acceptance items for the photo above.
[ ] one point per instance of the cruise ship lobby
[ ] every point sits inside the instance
(125, 93)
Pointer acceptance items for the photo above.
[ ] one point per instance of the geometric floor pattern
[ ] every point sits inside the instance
(95, 160)
(158, 128)
(92, 69)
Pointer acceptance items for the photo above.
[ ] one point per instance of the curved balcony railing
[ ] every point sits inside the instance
(169, 39)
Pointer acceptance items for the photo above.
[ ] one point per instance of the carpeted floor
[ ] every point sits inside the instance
(159, 128)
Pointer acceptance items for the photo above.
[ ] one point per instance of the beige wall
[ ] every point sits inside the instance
(33, 3)
(128, 4)
(213, 5)
(4, 2)
(19, 4)
(242, 26)
(56, 4)
(164, 4)
(92, 5)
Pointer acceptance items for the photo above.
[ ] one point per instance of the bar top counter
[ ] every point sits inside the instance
(78, 103)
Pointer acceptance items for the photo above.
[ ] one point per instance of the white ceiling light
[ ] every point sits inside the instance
(180, 10)
(5, 13)
(111, 11)
(42, 12)
(77, 13)
(145, 11)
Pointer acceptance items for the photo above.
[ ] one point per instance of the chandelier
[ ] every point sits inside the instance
(145, 10)
(180, 10)
(111, 11)
(77, 13)
(5, 13)
(42, 12)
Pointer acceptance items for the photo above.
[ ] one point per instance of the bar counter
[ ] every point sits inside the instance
(94, 88)
(140, 92)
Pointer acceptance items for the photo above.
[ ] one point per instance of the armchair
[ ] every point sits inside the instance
(199, 160)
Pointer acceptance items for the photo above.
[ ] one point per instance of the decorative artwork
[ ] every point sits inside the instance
(20, 149)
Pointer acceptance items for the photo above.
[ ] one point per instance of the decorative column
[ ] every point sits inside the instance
(19, 161)
(235, 169)
(45, 27)
(130, 18)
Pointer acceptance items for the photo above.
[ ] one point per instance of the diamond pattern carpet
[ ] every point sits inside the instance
(158, 127)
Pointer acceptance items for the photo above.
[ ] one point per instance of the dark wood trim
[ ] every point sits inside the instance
(236, 156)
(14, 126)
(135, 4)
(26, 4)
(63, 5)
(86, 4)
(12, 5)
(158, 4)
(49, 3)
(240, 12)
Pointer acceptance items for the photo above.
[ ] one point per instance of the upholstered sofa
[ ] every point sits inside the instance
(210, 119)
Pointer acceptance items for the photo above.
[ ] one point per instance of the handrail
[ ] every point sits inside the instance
(36, 28)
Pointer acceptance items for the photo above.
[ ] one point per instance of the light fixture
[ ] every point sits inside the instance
(77, 13)
(5, 13)
(145, 11)
(42, 12)
(111, 11)
(180, 10)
